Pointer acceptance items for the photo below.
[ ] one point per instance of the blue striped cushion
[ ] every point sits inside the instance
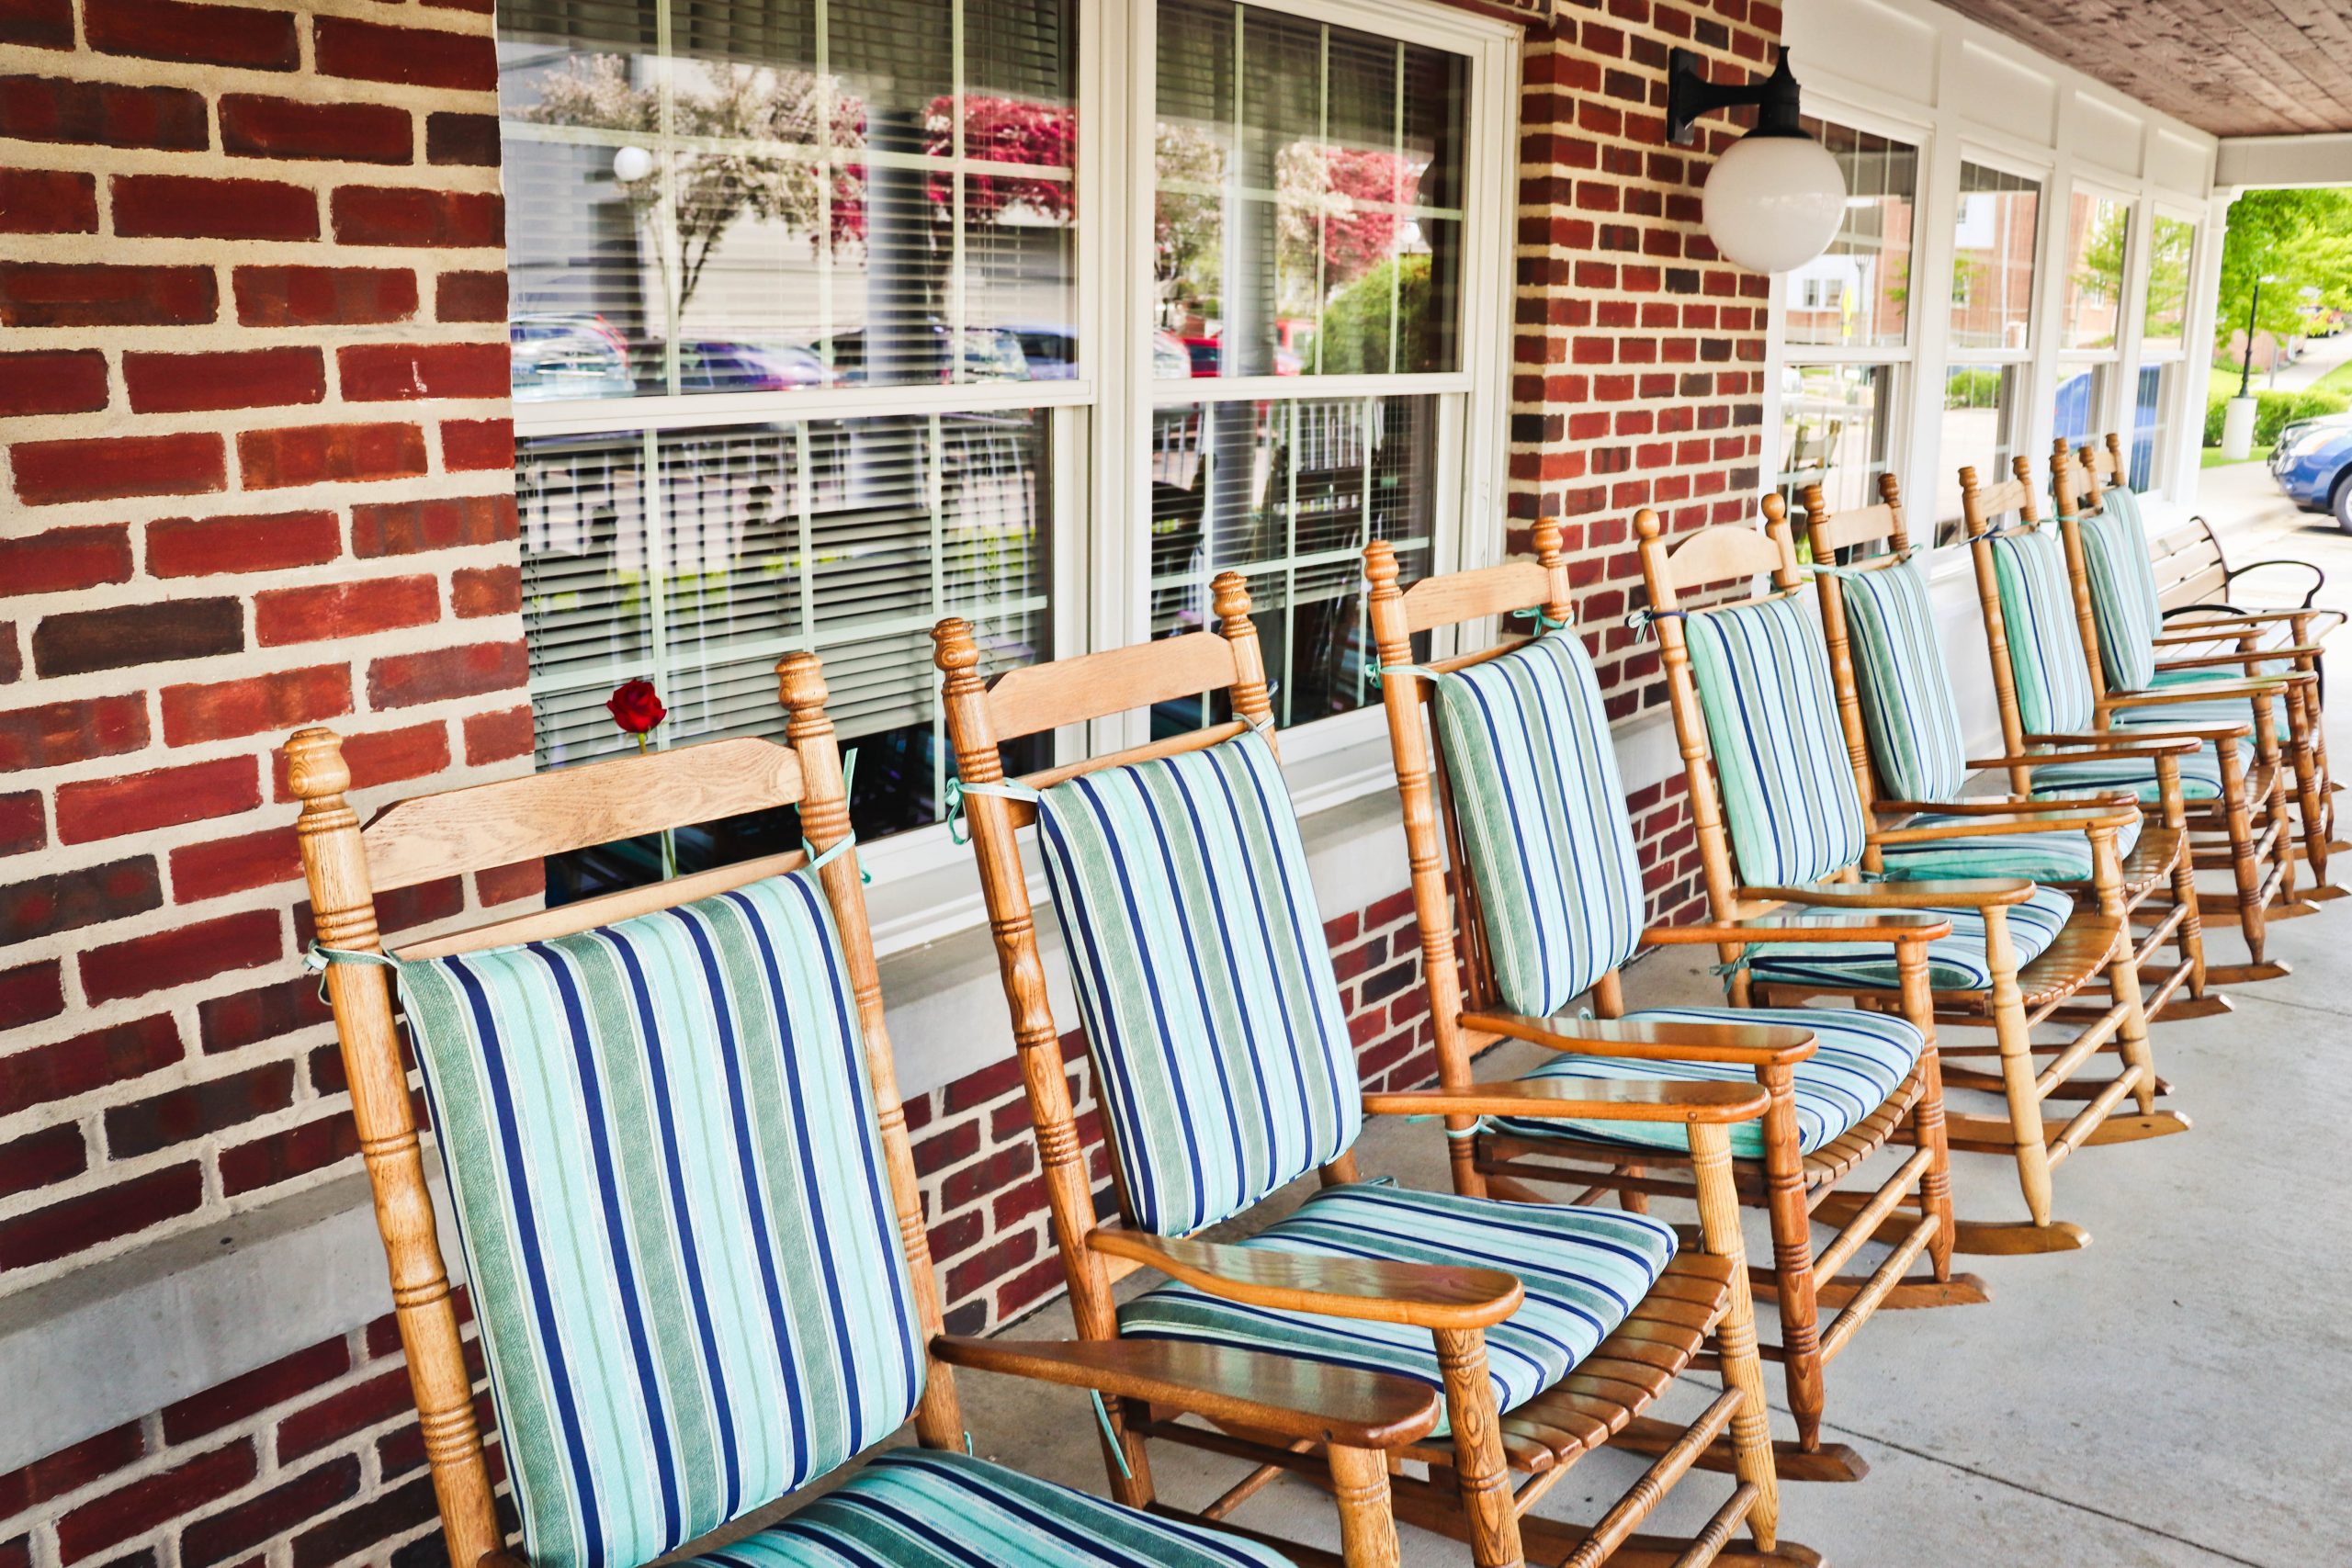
(2053, 685)
(1955, 963)
(1203, 978)
(1908, 710)
(2200, 777)
(2062, 855)
(689, 1303)
(1788, 781)
(1544, 832)
(1584, 1270)
(1860, 1059)
(2123, 601)
(923, 1508)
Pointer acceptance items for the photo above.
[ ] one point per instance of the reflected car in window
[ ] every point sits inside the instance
(562, 357)
(921, 355)
(706, 365)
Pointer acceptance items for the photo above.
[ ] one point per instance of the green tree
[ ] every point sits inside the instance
(2302, 239)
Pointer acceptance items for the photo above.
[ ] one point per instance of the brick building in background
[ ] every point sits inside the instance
(254, 396)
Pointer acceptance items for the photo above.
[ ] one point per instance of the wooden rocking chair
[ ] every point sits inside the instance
(2045, 683)
(1525, 846)
(1226, 1071)
(1781, 821)
(2115, 592)
(693, 1240)
(1902, 722)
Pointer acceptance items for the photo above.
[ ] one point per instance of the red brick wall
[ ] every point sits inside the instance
(1638, 358)
(252, 392)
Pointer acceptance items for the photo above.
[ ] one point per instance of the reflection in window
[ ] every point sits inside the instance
(2151, 401)
(1837, 424)
(1982, 422)
(2082, 393)
(766, 197)
(2098, 227)
(1992, 267)
(1857, 292)
(1288, 492)
(2171, 241)
(1308, 216)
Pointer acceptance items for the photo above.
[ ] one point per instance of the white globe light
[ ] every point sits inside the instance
(1773, 203)
(631, 163)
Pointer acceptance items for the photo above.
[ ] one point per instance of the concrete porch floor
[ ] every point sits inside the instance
(2173, 1394)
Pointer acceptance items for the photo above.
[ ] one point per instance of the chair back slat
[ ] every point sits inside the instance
(1471, 595)
(1723, 552)
(500, 823)
(1857, 525)
(1039, 697)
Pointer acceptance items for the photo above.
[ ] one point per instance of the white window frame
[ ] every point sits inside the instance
(2028, 361)
(2182, 408)
(2130, 302)
(1101, 418)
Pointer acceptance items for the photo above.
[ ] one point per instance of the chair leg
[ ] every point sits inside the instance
(1792, 1257)
(1927, 1116)
(2123, 975)
(2239, 818)
(1743, 1368)
(2017, 1068)
(2311, 800)
(1482, 1478)
(1367, 1524)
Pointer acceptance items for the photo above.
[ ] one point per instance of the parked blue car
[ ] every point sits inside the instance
(2312, 463)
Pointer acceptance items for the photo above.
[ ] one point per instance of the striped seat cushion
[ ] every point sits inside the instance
(1584, 1271)
(923, 1508)
(670, 1189)
(1955, 963)
(2124, 600)
(1908, 708)
(1545, 832)
(1762, 670)
(2200, 777)
(1859, 1060)
(2046, 641)
(1203, 978)
(2062, 855)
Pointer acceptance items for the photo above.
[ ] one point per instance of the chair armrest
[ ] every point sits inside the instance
(2255, 686)
(2224, 615)
(1427, 1295)
(1754, 1044)
(2099, 745)
(2234, 730)
(2241, 658)
(1973, 893)
(1273, 1393)
(2003, 826)
(1705, 1102)
(1889, 926)
(2010, 805)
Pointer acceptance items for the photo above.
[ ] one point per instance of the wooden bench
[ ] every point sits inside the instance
(2193, 574)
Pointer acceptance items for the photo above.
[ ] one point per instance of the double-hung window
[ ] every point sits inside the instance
(2090, 315)
(1989, 346)
(813, 306)
(1845, 328)
(2157, 389)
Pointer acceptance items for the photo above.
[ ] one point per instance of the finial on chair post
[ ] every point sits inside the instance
(965, 694)
(1380, 569)
(1229, 597)
(2028, 510)
(1552, 555)
(824, 789)
(1783, 538)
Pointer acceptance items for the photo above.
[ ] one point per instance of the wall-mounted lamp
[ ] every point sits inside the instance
(1774, 199)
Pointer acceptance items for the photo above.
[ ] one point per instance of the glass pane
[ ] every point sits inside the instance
(1837, 421)
(2082, 394)
(768, 197)
(1305, 176)
(2150, 408)
(2171, 241)
(1857, 292)
(1288, 492)
(1983, 421)
(1992, 268)
(2098, 227)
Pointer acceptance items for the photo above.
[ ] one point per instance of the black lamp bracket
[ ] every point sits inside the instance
(1688, 95)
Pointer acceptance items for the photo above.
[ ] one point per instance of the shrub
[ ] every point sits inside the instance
(2273, 411)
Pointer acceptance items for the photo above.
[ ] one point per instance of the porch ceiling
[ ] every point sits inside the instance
(2231, 67)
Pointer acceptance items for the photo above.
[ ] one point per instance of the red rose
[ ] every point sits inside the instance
(635, 708)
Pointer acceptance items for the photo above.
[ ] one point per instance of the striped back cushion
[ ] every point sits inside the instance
(670, 1189)
(2124, 599)
(1788, 781)
(2046, 641)
(1203, 976)
(1908, 708)
(1544, 832)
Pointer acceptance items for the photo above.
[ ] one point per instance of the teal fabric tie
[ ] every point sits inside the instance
(1003, 789)
(1376, 672)
(1543, 623)
(317, 957)
(1483, 1124)
(1643, 623)
(1103, 1417)
(849, 840)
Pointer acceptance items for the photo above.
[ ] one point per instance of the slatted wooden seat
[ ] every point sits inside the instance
(750, 992)
(1504, 763)
(1222, 843)
(1792, 828)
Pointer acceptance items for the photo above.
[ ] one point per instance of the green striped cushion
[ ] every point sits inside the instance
(2193, 710)
(2123, 601)
(1860, 1058)
(2053, 685)
(1908, 710)
(1203, 976)
(2200, 777)
(2060, 855)
(1584, 1270)
(922, 1508)
(1544, 832)
(1788, 781)
(1955, 963)
(689, 1303)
